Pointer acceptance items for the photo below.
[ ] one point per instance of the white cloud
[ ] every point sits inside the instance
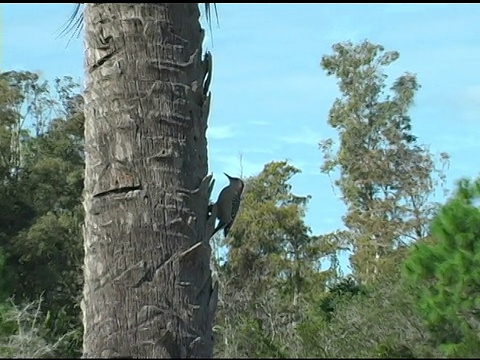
(271, 149)
(235, 164)
(259, 122)
(411, 8)
(305, 136)
(458, 142)
(220, 132)
(469, 101)
(471, 94)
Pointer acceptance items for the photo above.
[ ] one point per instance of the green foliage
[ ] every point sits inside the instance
(272, 267)
(275, 300)
(385, 177)
(270, 243)
(377, 322)
(344, 289)
(23, 332)
(253, 327)
(265, 345)
(42, 169)
(449, 271)
(3, 278)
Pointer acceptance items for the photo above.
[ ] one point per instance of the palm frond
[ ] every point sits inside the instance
(209, 16)
(74, 24)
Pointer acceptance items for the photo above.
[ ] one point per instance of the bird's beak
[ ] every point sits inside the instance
(228, 176)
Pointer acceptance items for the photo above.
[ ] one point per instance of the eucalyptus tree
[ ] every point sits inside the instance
(386, 176)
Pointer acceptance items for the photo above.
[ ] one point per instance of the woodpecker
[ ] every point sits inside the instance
(228, 204)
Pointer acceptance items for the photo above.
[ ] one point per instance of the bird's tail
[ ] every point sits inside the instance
(219, 227)
(226, 229)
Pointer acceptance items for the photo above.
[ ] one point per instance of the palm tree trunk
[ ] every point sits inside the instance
(148, 289)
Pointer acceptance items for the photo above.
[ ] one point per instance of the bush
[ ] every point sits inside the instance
(23, 333)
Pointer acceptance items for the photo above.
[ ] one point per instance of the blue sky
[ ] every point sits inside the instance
(270, 96)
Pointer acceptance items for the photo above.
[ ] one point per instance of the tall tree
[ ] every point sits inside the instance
(272, 268)
(148, 288)
(42, 168)
(385, 176)
(270, 245)
(446, 272)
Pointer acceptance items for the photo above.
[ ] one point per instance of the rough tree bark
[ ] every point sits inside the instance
(148, 289)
